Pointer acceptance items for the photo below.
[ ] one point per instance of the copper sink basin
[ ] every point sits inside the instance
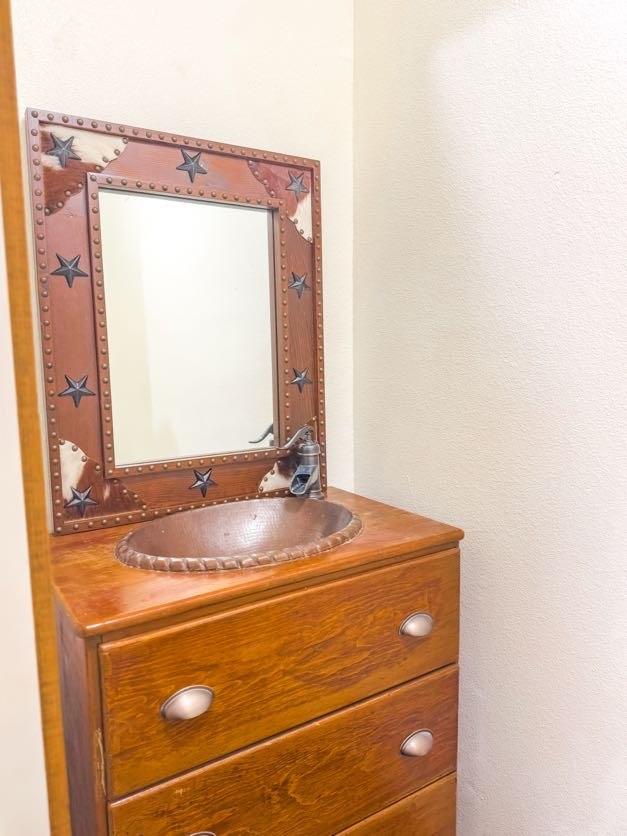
(239, 535)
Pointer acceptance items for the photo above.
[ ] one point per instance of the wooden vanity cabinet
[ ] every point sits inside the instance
(327, 711)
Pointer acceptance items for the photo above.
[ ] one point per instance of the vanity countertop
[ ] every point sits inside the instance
(102, 596)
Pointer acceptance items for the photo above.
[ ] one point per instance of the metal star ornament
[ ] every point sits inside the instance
(299, 283)
(81, 500)
(68, 267)
(296, 184)
(76, 389)
(62, 150)
(301, 379)
(191, 164)
(203, 481)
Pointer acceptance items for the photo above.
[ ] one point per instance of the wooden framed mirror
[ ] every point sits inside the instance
(179, 286)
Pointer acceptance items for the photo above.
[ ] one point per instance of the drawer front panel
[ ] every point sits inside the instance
(270, 667)
(316, 780)
(428, 812)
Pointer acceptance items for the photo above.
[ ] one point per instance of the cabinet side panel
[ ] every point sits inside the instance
(82, 730)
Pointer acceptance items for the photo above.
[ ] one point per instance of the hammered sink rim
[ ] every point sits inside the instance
(129, 556)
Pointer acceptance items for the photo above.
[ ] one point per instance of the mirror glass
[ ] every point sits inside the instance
(189, 299)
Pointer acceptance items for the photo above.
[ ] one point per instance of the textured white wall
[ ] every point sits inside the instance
(277, 76)
(491, 358)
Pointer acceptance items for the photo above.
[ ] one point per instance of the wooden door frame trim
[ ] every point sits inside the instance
(34, 476)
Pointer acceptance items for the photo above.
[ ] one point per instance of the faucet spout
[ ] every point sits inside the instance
(306, 480)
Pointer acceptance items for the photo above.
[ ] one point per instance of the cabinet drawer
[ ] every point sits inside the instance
(271, 666)
(428, 812)
(315, 780)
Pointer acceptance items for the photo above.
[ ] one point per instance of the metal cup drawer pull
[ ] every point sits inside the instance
(187, 703)
(203, 833)
(417, 625)
(418, 744)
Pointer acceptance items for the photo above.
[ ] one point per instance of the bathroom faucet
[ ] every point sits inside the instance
(306, 478)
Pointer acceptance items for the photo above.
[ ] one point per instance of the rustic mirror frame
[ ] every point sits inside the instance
(87, 490)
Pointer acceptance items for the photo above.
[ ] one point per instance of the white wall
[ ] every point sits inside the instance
(277, 76)
(491, 358)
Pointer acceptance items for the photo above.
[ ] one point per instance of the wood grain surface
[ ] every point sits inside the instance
(82, 730)
(272, 666)
(102, 596)
(316, 780)
(428, 812)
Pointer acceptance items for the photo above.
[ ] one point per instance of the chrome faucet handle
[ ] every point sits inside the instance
(305, 433)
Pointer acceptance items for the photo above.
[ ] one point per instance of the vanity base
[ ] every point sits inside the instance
(315, 676)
